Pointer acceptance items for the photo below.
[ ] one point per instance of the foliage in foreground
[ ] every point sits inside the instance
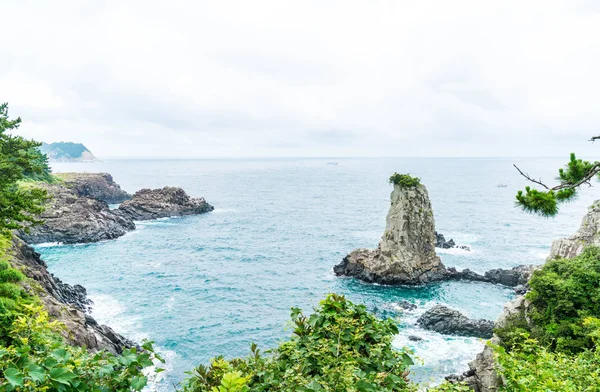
(564, 293)
(405, 180)
(341, 347)
(555, 346)
(34, 357)
(529, 367)
(546, 202)
(19, 159)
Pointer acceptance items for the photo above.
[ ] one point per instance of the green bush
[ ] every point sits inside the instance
(529, 367)
(11, 275)
(563, 294)
(405, 180)
(37, 359)
(341, 347)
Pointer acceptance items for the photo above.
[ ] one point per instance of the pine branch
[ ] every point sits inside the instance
(594, 138)
(585, 180)
(539, 182)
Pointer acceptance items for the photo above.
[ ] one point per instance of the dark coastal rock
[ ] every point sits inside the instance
(440, 242)
(65, 303)
(98, 186)
(414, 338)
(482, 375)
(406, 252)
(515, 277)
(448, 321)
(161, 203)
(70, 218)
(407, 305)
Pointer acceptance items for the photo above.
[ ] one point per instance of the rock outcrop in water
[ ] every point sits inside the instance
(406, 252)
(77, 211)
(440, 242)
(449, 321)
(70, 218)
(65, 303)
(588, 234)
(99, 186)
(161, 203)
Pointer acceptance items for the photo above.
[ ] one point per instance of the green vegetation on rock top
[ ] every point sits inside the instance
(405, 180)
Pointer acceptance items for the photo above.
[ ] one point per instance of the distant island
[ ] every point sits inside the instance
(67, 152)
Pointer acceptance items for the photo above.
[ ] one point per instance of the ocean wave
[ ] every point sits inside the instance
(539, 254)
(457, 251)
(109, 311)
(48, 244)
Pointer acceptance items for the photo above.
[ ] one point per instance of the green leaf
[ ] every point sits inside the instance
(138, 383)
(35, 372)
(14, 377)
(62, 375)
(407, 359)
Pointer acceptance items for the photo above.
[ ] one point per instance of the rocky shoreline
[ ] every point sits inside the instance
(77, 212)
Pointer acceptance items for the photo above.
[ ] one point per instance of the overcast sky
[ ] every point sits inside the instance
(305, 78)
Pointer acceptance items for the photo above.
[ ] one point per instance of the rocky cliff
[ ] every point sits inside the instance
(70, 218)
(98, 186)
(65, 303)
(588, 234)
(161, 203)
(406, 252)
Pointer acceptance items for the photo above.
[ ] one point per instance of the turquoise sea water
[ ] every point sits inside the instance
(206, 285)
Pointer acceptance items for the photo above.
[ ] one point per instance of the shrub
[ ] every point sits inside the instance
(563, 294)
(11, 275)
(341, 347)
(530, 367)
(37, 359)
(405, 180)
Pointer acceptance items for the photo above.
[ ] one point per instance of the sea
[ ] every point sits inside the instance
(209, 285)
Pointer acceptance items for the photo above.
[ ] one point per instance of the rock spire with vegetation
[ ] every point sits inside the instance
(406, 253)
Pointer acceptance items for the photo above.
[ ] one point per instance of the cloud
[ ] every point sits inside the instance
(311, 78)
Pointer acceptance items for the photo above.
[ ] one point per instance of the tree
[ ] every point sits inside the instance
(546, 202)
(19, 159)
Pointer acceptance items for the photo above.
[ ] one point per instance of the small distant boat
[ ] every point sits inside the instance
(501, 185)
(332, 163)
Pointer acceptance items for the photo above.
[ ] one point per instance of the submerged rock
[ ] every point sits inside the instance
(406, 252)
(161, 203)
(588, 234)
(70, 218)
(99, 186)
(449, 321)
(65, 303)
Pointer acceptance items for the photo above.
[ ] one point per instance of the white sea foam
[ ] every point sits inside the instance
(436, 353)
(108, 310)
(539, 254)
(48, 244)
(457, 251)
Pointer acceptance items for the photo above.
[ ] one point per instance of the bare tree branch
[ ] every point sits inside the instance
(585, 180)
(539, 182)
(594, 138)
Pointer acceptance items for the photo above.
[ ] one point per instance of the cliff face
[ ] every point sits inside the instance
(406, 252)
(588, 234)
(65, 303)
(70, 218)
(98, 186)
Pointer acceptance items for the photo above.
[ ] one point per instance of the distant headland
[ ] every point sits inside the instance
(67, 152)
